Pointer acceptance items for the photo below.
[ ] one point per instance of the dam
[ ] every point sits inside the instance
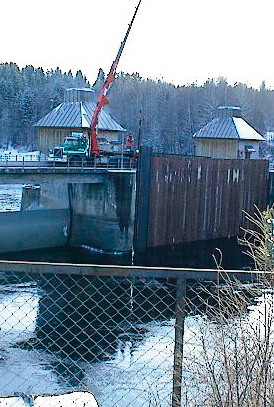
(60, 207)
(169, 200)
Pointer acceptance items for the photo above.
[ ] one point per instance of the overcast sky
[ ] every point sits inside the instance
(181, 41)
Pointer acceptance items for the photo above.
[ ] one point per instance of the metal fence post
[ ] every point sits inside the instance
(179, 337)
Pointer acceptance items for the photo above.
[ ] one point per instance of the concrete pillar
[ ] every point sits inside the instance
(103, 214)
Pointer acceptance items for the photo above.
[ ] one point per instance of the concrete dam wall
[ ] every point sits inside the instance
(103, 214)
(97, 215)
(33, 229)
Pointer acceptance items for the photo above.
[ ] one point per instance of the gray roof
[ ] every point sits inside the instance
(234, 128)
(77, 115)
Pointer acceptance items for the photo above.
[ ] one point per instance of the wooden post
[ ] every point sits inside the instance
(179, 336)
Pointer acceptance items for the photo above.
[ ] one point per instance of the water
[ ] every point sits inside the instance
(136, 365)
(21, 371)
(203, 254)
(133, 365)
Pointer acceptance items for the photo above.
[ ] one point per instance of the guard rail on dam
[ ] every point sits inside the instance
(37, 171)
(134, 336)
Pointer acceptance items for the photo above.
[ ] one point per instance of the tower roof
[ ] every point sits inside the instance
(76, 112)
(229, 125)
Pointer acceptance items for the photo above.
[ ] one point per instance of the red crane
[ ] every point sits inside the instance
(102, 98)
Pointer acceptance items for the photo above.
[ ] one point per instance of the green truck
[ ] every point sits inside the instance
(75, 149)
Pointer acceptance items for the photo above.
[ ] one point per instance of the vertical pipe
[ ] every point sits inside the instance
(179, 336)
(140, 238)
(122, 161)
(70, 200)
(139, 132)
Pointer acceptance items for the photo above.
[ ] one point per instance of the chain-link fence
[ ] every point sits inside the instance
(135, 338)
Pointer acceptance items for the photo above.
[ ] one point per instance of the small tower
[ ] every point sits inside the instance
(75, 115)
(228, 136)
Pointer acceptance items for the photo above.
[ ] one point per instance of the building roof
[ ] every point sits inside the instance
(234, 128)
(77, 115)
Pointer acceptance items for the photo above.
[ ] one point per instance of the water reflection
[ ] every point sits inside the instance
(83, 317)
(22, 370)
(111, 336)
(66, 333)
(197, 254)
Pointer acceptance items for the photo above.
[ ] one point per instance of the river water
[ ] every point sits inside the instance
(135, 367)
(136, 371)
(124, 362)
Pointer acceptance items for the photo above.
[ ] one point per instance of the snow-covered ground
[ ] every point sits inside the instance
(76, 399)
(10, 198)
(14, 155)
(11, 195)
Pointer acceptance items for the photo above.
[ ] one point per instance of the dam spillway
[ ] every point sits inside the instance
(98, 214)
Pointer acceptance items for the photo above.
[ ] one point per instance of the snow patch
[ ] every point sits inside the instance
(10, 198)
(14, 155)
(12, 402)
(57, 108)
(84, 116)
(76, 399)
(245, 131)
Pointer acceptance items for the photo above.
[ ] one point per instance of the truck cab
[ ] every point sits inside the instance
(75, 147)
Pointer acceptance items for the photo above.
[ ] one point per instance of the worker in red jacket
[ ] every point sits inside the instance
(129, 142)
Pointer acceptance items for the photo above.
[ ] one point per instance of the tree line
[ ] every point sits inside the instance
(167, 116)
(156, 113)
(26, 95)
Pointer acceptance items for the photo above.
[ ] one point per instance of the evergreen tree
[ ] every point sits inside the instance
(97, 86)
(169, 115)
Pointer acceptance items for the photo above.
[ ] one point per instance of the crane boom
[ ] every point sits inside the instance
(102, 98)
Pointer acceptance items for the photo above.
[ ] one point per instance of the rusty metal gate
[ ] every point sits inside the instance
(186, 199)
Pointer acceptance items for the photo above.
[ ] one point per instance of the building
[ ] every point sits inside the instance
(228, 136)
(75, 115)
